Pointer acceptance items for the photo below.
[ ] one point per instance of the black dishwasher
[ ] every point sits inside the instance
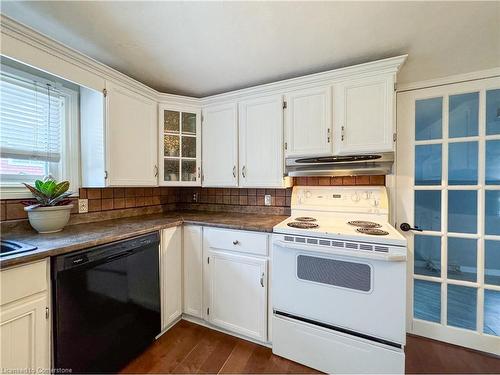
(106, 304)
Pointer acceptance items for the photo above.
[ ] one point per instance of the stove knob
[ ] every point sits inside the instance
(375, 203)
(355, 197)
(308, 194)
(367, 195)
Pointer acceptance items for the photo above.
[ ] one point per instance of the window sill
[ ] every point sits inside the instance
(14, 192)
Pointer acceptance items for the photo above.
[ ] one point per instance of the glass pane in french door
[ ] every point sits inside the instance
(456, 204)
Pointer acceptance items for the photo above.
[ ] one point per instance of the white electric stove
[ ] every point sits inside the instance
(338, 282)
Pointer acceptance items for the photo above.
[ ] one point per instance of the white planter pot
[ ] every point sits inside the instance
(49, 219)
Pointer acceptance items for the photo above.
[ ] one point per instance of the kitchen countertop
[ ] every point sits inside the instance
(81, 236)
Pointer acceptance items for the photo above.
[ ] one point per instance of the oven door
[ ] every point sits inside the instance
(352, 293)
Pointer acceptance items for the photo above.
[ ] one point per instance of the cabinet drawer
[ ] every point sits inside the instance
(23, 281)
(236, 240)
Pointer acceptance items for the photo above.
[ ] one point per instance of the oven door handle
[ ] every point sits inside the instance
(361, 254)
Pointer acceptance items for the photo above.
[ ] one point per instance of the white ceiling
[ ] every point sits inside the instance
(203, 48)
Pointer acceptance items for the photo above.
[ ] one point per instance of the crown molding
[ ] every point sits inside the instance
(59, 50)
(389, 65)
(456, 78)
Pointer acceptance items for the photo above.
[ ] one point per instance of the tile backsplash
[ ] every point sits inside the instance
(108, 199)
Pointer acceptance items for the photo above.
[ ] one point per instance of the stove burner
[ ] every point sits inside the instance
(302, 225)
(364, 224)
(305, 218)
(373, 231)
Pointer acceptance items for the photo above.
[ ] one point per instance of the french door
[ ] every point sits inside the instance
(448, 191)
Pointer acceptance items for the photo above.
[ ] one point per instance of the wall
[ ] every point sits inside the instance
(124, 200)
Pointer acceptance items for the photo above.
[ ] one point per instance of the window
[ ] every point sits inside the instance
(38, 131)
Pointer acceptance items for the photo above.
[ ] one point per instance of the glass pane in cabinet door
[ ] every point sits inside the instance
(491, 312)
(493, 112)
(189, 123)
(462, 211)
(462, 306)
(492, 208)
(427, 300)
(462, 259)
(462, 163)
(492, 263)
(171, 169)
(189, 170)
(464, 115)
(171, 121)
(493, 162)
(428, 165)
(189, 147)
(428, 119)
(171, 145)
(428, 209)
(427, 255)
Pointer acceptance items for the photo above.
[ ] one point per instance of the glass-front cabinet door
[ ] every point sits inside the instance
(180, 146)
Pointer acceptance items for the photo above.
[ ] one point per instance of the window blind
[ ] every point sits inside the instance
(30, 119)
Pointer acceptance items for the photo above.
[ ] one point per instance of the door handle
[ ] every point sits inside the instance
(342, 133)
(234, 171)
(244, 171)
(405, 227)
(199, 172)
(262, 279)
(155, 169)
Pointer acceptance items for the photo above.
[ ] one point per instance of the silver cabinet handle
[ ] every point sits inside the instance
(342, 136)
(236, 242)
(328, 135)
(244, 171)
(105, 175)
(262, 279)
(199, 172)
(234, 171)
(155, 169)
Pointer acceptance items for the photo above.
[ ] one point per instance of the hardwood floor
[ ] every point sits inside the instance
(191, 348)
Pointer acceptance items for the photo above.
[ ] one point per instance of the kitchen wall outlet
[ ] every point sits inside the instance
(83, 206)
(267, 200)
(195, 197)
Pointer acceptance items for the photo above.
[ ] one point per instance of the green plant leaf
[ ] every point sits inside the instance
(39, 195)
(39, 184)
(60, 188)
(48, 188)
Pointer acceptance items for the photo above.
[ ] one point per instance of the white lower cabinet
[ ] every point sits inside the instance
(236, 289)
(24, 318)
(171, 275)
(193, 270)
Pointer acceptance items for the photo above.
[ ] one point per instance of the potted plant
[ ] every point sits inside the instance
(50, 210)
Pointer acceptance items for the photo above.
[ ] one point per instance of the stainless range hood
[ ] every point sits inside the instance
(341, 165)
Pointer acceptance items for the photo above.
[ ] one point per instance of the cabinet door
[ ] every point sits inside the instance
(261, 142)
(193, 270)
(220, 145)
(171, 275)
(24, 333)
(309, 122)
(238, 293)
(180, 146)
(131, 138)
(364, 111)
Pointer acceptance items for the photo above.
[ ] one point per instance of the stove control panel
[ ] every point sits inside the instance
(369, 199)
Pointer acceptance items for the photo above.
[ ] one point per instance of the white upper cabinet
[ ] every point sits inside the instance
(309, 122)
(364, 111)
(131, 138)
(179, 146)
(220, 145)
(261, 142)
